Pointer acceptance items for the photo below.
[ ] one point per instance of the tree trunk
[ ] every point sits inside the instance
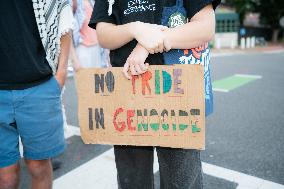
(275, 35)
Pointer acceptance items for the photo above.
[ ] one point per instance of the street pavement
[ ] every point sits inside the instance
(244, 136)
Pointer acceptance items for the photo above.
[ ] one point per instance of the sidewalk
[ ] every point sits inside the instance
(270, 48)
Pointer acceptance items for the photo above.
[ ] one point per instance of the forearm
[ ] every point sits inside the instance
(200, 30)
(64, 54)
(112, 36)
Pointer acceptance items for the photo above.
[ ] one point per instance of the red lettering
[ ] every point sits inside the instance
(130, 114)
(134, 77)
(116, 124)
(145, 78)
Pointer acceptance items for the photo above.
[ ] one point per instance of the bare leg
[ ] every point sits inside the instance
(41, 173)
(10, 176)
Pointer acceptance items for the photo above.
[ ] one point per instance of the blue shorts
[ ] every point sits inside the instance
(35, 115)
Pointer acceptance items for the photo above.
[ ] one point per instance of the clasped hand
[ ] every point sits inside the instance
(150, 36)
(151, 39)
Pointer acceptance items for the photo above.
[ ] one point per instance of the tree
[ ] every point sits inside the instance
(242, 7)
(270, 13)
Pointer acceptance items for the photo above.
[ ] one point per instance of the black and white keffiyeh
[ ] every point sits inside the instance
(54, 19)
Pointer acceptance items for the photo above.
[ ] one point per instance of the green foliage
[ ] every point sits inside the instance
(243, 7)
(270, 12)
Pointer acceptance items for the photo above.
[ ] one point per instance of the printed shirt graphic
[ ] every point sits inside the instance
(176, 19)
(134, 6)
(201, 55)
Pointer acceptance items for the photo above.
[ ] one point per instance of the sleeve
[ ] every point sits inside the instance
(194, 6)
(66, 19)
(100, 14)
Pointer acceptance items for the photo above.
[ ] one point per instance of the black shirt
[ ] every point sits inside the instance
(22, 56)
(148, 11)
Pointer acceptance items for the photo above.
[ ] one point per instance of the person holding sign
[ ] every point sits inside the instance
(132, 30)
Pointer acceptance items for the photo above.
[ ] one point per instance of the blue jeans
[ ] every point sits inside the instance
(179, 168)
(35, 115)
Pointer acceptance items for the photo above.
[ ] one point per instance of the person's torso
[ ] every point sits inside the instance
(173, 13)
(88, 35)
(22, 56)
(148, 11)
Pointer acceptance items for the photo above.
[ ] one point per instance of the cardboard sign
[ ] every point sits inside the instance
(162, 107)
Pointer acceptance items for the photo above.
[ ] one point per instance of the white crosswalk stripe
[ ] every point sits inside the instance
(100, 172)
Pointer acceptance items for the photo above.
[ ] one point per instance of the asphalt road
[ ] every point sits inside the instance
(245, 133)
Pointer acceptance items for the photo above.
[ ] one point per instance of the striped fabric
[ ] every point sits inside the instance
(54, 19)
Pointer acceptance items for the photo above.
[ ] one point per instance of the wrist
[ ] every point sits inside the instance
(140, 47)
(132, 26)
(61, 73)
(167, 40)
